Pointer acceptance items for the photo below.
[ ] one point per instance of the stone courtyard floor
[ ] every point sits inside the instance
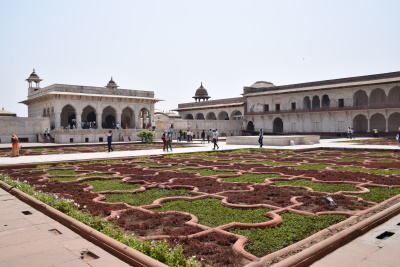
(369, 250)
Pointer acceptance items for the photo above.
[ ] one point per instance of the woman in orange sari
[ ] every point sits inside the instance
(15, 146)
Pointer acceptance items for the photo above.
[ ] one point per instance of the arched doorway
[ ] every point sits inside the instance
(189, 117)
(278, 125)
(326, 102)
(144, 117)
(360, 98)
(109, 118)
(223, 115)
(211, 116)
(250, 126)
(394, 122)
(360, 123)
(378, 97)
(88, 117)
(127, 118)
(394, 95)
(236, 115)
(68, 116)
(306, 102)
(315, 102)
(199, 116)
(378, 121)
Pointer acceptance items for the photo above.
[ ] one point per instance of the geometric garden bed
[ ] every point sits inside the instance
(226, 208)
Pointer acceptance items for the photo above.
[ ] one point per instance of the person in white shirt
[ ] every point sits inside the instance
(215, 139)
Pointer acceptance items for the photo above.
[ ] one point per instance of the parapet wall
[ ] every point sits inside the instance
(281, 140)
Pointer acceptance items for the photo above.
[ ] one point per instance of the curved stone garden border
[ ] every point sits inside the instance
(128, 254)
(315, 252)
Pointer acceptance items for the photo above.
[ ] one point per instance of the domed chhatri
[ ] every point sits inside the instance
(201, 94)
(34, 78)
(262, 84)
(111, 84)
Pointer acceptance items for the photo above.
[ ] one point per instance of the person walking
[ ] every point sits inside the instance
(109, 140)
(203, 137)
(398, 137)
(164, 139)
(216, 131)
(15, 146)
(348, 133)
(215, 140)
(209, 135)
(260, 137)
(169, 140)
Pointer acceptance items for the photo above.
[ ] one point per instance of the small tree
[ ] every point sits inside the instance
(147, 136)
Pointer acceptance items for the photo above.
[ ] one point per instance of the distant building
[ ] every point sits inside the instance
(82, 107)
(5, 113)
(325, 107)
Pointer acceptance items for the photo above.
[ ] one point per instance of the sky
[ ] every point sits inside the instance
(170, 47)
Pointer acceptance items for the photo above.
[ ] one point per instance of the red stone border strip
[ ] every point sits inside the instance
(317, 251)
(125, 253)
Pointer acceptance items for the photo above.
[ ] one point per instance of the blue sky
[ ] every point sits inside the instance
(169, 47)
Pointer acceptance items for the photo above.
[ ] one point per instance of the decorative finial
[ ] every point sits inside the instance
(33, 69)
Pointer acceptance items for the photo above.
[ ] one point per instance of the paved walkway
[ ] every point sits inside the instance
(30, 238)
(37, 240)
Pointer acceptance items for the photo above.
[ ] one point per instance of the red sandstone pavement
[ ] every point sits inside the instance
(37, 240)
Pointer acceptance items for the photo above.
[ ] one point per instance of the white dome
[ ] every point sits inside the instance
(262, 84)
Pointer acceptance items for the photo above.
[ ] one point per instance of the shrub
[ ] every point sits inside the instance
(147, 136)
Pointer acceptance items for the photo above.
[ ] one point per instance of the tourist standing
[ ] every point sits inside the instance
(260, 137)
(215, 139)
(348, 133)
(164, 139)
(46, 136)
(398, 137)
(153, 125)
(109, 140)
(169, 140)
(203, 137)
(351, 133)
(15, 146)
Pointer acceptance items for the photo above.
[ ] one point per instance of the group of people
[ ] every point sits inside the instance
(167, 139)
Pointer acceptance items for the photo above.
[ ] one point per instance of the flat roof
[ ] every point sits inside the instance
(211, 106)
(96, 95)
(323, 85)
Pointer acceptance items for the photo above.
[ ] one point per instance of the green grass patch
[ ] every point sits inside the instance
(147, 197)
(352, 159)
(312, 167)
(379, 194)
(208, 172)
(271, 163)
(173, 167)
(373, 171)
(144, 164)
(37, 150)
(63, 172)
(102, 185)
(381, 154)
(211, 213)
(251, 178)
(64, 179)
(294, 228)
(320, 187)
